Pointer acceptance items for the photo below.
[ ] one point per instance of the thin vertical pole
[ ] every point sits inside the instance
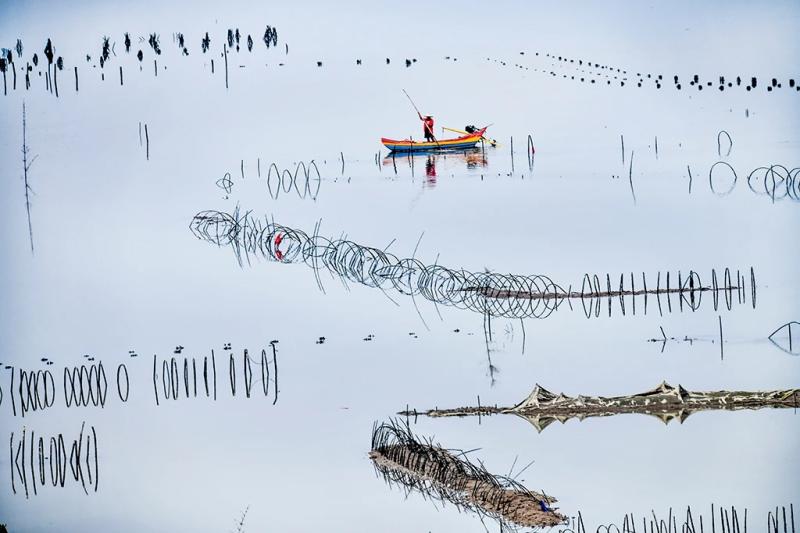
(225, 53)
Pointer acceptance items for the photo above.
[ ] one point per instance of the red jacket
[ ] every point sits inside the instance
(427, 126)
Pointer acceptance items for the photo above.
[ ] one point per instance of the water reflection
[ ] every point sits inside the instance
(665, 402)
(438, 163)
(430, 170)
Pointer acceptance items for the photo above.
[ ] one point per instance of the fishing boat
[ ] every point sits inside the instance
(468, 140)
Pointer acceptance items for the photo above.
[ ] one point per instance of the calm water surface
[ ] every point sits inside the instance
(117, 270)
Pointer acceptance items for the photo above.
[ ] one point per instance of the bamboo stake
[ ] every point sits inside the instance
(225, 54)
(26, 165)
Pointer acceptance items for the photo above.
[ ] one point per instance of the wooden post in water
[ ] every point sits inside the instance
(630, 180)
(55, 80)
(512, 154)
(26, 165)
(225, 54)
(147, 142)
(120, 74)
(155, 67)
(76, 79)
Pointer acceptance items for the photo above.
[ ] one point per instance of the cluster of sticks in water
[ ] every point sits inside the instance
(584, 70)
(171, 376)
(33, 456)
(415, 464)
(666, 402)
(305, 180)
(108, 51)
(591, 72)
(419, 465)
(174, 378)
(721, 519)
(488, 293)
(776, 182)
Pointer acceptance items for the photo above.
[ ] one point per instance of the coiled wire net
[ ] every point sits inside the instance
(492, 294)
(495, 294)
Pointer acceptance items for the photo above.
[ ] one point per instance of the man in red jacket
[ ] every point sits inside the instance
(427, 127)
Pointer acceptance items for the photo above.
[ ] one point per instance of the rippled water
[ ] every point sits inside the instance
(117, 271)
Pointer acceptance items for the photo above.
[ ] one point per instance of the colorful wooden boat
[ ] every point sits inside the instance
(459, 143)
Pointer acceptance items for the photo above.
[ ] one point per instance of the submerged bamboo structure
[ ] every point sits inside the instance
(403, 459)
(666, 402)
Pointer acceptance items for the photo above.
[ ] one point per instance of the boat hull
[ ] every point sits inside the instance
(459, 143)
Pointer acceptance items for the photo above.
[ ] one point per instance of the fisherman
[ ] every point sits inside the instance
(427, 126)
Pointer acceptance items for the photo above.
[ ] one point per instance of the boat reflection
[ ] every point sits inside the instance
(437, 163)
